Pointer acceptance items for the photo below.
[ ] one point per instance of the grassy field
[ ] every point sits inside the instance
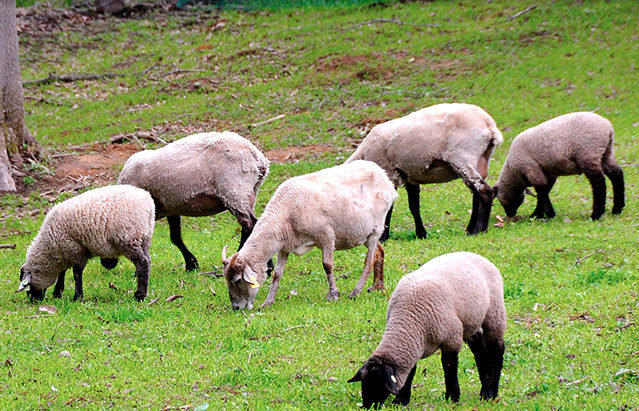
(323, 77)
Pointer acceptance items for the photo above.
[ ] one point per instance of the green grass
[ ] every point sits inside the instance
(571, 341)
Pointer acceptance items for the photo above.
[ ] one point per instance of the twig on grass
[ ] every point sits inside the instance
(579, 260)
(295, 327)
(72, 78)
(8, 246)
(524, 11)
(395, 21)
(180, 71)
(281, 116)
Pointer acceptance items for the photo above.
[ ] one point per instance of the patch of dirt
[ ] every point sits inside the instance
(295, 154)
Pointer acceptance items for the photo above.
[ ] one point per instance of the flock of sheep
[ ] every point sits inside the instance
(454, 298)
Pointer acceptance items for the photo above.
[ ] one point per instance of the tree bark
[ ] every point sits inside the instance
(16, 142)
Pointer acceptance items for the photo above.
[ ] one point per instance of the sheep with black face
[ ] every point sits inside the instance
(452, 299)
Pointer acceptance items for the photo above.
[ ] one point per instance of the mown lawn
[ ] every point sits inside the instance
(323, 77)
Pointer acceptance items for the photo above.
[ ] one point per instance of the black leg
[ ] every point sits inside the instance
(59, 285)
(142, 263)
(386, 233)
(403, 397)
(544, 207)
(449, 363)
(476, 344)
(615, 174)
(109, 263)
(480, 217)
(175, 227)
(77, 277)
(494, 364)
(598, 183)
(413, 205)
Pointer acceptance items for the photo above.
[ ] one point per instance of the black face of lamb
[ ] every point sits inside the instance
(378, 382)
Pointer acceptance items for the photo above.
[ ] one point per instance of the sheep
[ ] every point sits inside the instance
(106, 222)
(435, 145)
(200, 175)
(574, 143)
(452, 298)
(333, 209)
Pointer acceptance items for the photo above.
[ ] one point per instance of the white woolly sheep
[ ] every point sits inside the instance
(453, 298)
(106, 222)
(571, 144)
(200, 175)
(435, 145)
(333, 209)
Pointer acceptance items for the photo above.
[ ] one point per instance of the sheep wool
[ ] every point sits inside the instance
(200, 175)
(106, 222)
(435, 145)
(333, 209)
(453, 298)
(570, 144)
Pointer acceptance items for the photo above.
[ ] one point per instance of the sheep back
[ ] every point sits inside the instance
(565, 145)
(423, 143)
(102, 222)
(352, 199)
(199, 175)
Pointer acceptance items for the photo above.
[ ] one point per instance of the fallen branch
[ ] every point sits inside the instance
(281, 116)
(11, 246)
(71, 78)
(579, 260)
(514, 16)
(395, 21)
(180, 71)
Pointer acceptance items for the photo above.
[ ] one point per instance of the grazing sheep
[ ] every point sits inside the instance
(333, 209)
(435, 145)
(453, 298)
(200, 175)
(106, 222)
(571, 144)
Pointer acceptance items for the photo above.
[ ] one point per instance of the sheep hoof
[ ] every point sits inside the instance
(421, 234)
(617, 210)
(377, 288)
(192, 264)
(139, 295)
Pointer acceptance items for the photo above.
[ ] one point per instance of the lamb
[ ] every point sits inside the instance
(453, 298)
(435, 145)
(200, 175)
(106, 222)
(333, 209)
(570, 144)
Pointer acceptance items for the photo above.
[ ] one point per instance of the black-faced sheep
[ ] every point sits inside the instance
(435, 145)
(200, 175)
(333, 209)
(453, 298)
(106, 222)
(571, 144)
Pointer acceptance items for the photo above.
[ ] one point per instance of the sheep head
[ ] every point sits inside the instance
(242, 281)
(378, 382)
(510, 197)
(25, 285)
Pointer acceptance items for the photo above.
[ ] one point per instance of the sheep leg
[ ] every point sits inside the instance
(386, 233)
(378, 269)
(77, 277)
(476, 344)
(175, 228)
(403, 398)
(494, 364)
(615, 174)
(482, 197)
(327, 262)
(544, 206)
(413, 205)
(59, 285)
(598, 183)
(142, 261)
(449, 363)
(369, 262)
(277, 276)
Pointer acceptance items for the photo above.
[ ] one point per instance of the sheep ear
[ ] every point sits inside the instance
(250, 277)
(530, 193)
(391, 381)
(25, 283)
(225, 260)
(361, 373)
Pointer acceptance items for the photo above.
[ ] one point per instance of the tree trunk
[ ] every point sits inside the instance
(16, 142)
